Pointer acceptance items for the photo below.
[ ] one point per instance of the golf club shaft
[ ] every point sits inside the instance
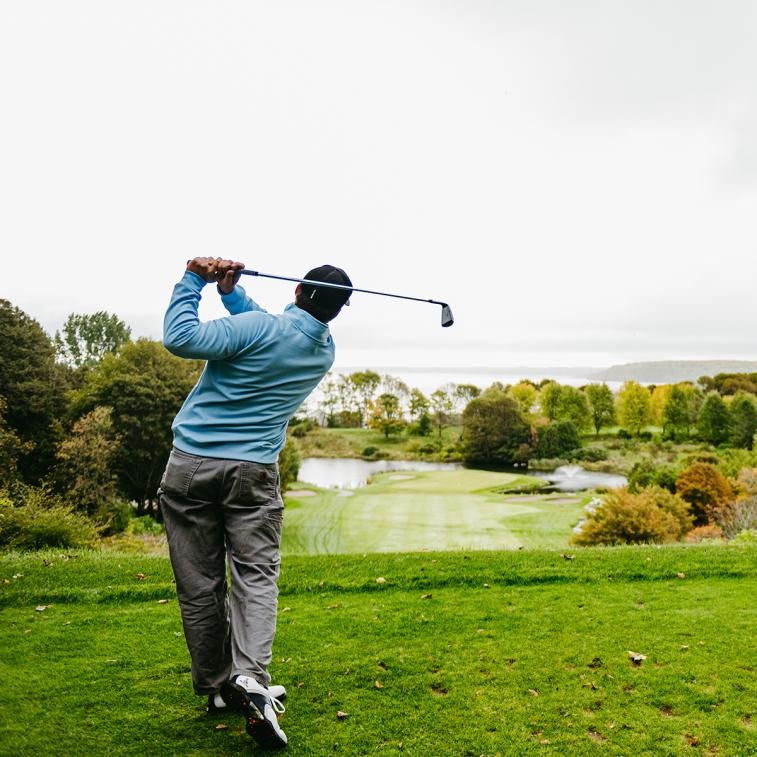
(249, 272)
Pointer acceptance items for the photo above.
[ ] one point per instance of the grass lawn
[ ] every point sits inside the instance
(440, 510)
(449, 655)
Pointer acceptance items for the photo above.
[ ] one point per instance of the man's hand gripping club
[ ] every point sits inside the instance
(225, 273)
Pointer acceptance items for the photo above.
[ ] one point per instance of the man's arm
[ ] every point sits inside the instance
(183, 334)
(233, 297)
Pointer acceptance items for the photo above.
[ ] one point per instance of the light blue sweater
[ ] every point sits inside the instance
(260, 369)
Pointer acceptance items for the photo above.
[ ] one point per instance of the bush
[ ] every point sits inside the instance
(369, 451)
(706, 490)
(302, 428)
(289, 465)
(114, 517)
(652, 516)
(42, 522)
(704, 534)
(589, 455)
(646, 473)
(748, 537)
(737, 516)
(549, 464)
(623, 434)
(145, 525)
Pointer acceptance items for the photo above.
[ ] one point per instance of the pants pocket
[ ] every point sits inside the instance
(179, 472)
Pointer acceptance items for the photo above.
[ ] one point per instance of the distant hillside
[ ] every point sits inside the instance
(672, 371)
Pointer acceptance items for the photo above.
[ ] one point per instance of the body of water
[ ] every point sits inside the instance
(346, 473)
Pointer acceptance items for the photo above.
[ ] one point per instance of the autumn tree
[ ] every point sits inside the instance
(526, 395)
(386, 414)
(706, 490)
(85, 339)
(419, 407)
(601, 405)
(633, 404)
(651, 516)
(442, 405)
(364, 385)
(549, 399)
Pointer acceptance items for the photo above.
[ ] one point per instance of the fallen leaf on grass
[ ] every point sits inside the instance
(595, 663)
(333, 607)
(597, 736)
(568, 557)
(41, 608)
(382, 665)
(380, 580)
(486, 586)
(162, 601)
(681, 575)
(222, 727)
(18, 575)
(287, 609)
(47, 563)
(426, 596)
(533, 692)
(140, 576)
(636, 658)
(379, 685)
(341, 715)
(692, 740)
(6, 582)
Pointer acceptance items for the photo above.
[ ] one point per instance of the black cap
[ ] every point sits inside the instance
(328, 297)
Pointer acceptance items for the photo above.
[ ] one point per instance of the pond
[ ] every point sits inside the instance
(573, 478)
(345, 473)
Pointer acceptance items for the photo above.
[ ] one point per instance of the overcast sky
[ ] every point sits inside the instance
(577, 179)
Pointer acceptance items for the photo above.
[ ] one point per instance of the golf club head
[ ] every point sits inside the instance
(447, 319)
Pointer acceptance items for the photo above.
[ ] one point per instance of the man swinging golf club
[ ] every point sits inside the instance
(219, 495)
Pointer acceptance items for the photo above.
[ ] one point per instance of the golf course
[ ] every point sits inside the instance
(438, 510)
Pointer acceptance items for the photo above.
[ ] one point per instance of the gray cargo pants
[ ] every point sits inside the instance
(214, 509)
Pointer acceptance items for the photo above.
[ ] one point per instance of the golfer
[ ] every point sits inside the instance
(219, 495)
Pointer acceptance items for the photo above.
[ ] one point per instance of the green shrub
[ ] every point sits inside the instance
(43, 521)
(302, 427)
(588, 454)
(623, 434)
(114, 517)
(746, 538)
(370, 451)
(654, 515)
(289, 464)
(145, 525)
(547, 463)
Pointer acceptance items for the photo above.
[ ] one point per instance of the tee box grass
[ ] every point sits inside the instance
(432, 654)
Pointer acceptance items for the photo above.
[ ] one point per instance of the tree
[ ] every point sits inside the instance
(493, 430)
(679, 412)
(743, 415)
(386, 414)
(364, 385)
(601, 405)
(442, 405)
(289, 465)
(633, 407)
(549, 399)
(32, 388)
(652, 515)
(464, 393)
(556, 439)
(706, 490)
(714, 422)
(657, 402)
(11, 449)
(85, 462)
(86, 338)
(573, 407)
(145, 386)
(525, 394)
(419, 407)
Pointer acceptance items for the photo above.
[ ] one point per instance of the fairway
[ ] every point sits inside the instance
(437, 510)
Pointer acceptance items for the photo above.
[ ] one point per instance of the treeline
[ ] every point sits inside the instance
(85, 427)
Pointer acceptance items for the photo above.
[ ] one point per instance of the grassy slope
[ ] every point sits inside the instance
(441, 510)
(452, 654)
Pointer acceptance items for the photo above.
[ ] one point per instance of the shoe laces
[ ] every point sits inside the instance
(278, 707)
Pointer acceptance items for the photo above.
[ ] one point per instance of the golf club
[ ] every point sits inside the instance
(447, 319)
